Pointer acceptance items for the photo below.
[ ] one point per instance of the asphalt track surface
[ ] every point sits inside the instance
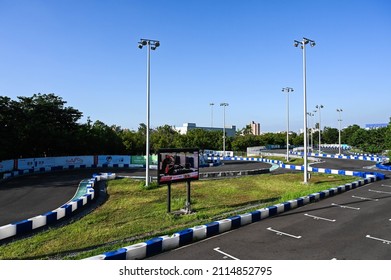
(28, 196)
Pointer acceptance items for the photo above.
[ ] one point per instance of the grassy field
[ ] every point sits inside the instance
(133, 214)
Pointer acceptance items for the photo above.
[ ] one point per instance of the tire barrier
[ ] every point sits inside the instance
(383, 167)
(164, 243)
(64, 211)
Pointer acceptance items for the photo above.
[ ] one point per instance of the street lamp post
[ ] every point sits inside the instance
(151, 45)
(320, 127)
(304, 42)
(287, 90)
(211, 106)
(224, 105)
(339, 132)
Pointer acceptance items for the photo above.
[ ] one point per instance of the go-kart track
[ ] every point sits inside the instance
(352, 225)
(31, 195)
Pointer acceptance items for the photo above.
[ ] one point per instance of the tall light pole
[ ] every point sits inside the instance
(287, 90)
(224, 105)
(339, 132)
(302, 44)
(151, 45)
(320, 127)
(211, 106)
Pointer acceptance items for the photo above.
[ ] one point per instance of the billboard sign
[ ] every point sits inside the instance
(175, 165)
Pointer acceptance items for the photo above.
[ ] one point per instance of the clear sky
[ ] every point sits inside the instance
(235, 51)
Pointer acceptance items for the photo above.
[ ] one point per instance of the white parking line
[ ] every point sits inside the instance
(378, 191)
(283, 233)
(386, 186)
(343, 206)
(388, 242)
(225, 254)
(365, 198)
(319, 218)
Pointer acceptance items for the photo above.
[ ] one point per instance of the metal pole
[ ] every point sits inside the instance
(224, 134)
(148, 115)
(211, 105)
(312, 131)
(339, 132)
(287, 90)
(287, 126)
(339, 136)
(305, 114)
(224, 105)
(155, 44)
(320, 130)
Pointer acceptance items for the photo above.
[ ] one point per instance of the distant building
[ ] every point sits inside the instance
(230, 131)
(375, 125)
(255, 128)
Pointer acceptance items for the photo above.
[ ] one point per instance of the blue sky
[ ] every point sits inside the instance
(240, 52)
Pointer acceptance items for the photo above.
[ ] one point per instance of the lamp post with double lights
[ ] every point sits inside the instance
(151, 45)
(339, 131)
(224, 105)
(302, 44)
(287, 90)
(320, 127)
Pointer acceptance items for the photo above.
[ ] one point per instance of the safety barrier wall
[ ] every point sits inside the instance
(164, 243)
(64, 211)
(17, 167)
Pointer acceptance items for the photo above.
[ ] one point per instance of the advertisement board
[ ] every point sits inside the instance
(74, 161)
(176, 165)
(111, 160)
(6, 165)
(141, 160)
(35, 163)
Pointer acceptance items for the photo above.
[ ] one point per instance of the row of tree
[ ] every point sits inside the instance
(42, 125)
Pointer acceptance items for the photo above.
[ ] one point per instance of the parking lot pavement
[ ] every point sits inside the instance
(353, 225)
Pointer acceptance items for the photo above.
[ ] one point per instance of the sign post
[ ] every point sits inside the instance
(169, 198)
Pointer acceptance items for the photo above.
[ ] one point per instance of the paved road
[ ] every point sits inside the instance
(352, 225)
(344, 164)
(32, 195)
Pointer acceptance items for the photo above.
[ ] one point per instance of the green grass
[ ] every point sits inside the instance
(133, 214)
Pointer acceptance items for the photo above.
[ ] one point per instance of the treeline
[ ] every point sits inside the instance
(42, 125)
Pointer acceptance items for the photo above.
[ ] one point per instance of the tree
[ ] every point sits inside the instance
(240, 143)
(163, 137)
(41, 125)
(330, 135)
(387, 139)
